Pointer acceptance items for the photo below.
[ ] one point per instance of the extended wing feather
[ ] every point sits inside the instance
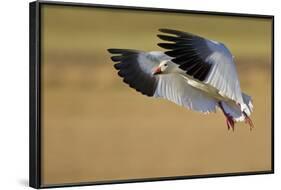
(205, 60)
(135, 67)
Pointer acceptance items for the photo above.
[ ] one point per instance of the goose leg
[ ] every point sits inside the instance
(248, 121)
(229, 119)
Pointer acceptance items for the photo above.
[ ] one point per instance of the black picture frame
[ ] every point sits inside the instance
(35, 93)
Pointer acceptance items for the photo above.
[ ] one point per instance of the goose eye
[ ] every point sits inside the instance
(166, 65)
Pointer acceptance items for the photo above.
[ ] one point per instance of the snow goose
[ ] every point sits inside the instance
(193, 72)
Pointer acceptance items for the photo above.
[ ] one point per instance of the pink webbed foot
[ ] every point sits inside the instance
(248, 121)
(229, 121)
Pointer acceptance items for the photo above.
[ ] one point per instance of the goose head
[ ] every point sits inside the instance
(162, 68)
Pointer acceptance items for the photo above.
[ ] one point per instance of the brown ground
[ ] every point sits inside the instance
(96, 128)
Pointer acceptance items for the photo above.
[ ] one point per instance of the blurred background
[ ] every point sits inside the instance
(96, 128)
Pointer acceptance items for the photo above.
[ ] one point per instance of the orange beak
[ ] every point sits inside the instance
(157, 71)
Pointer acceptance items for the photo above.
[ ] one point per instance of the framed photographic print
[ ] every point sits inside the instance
(130, 94)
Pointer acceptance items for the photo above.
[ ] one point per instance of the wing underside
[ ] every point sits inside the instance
(135, 68)
(174, 88)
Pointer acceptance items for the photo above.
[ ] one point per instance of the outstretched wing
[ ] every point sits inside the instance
(135, 67)
(205, 60)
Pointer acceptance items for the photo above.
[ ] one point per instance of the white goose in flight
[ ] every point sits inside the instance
(193, 72)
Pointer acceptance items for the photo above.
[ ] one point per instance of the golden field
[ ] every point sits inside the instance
(96, 128)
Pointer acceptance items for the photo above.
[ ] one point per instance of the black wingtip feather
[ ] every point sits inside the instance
(166, 45)
(168, 38)
(116, 58)
(117, 66)
(178, 33)
(122, 51)
(171, 31)
(113, 50)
